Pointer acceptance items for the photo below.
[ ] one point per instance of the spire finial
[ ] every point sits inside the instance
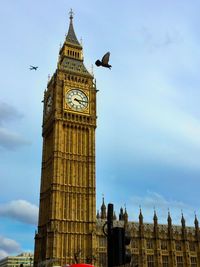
(140, 216)
(182, 219)
(169, 219)
(71, 13)
(196, 222)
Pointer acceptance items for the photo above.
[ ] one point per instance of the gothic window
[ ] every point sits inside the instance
(149, 244)
(134, 243)
(102, 259)
(150, 260)
(102, 241)
(178, 245)
(164, 244)
(193, 261)
(135, 259)
(165, 261)
(179, 260)
(192, 246)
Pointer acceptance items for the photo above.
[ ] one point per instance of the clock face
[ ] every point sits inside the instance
(77, 100)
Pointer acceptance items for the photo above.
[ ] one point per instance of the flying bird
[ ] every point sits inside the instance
(33, 68)
(104, 61)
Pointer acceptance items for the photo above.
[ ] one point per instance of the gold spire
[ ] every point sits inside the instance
(71, 36)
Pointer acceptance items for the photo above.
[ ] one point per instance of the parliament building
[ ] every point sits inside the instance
(69, 229)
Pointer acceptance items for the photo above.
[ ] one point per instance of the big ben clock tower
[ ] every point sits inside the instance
(67, 211)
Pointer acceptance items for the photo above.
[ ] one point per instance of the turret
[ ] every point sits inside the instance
(103, 210)
(71, 54)
(196, 223)
(114, 216)
(141, 225)
(140, 218)
(169, 221)
(182, 221)
(125, 218)
(155, 221)
(121, 214)
(184, 231)
(71, 47)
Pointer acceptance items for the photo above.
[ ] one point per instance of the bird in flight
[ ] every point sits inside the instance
(104, 61)
(33, 68)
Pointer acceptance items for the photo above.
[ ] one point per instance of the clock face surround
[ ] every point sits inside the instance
(77, 100)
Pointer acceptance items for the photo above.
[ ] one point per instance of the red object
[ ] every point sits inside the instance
(81, 265)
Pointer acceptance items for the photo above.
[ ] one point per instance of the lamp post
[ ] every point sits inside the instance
(31, 259)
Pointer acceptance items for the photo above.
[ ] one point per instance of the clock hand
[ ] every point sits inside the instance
(79, 100)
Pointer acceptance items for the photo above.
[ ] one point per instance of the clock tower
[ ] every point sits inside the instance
(67, 210)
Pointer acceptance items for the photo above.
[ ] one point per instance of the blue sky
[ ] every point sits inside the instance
(148, 135)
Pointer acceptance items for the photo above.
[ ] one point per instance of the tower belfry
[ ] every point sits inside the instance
(67, 211)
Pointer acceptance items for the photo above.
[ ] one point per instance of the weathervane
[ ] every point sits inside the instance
(71, 13)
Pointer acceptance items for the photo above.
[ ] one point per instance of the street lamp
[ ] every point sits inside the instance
(31, 259)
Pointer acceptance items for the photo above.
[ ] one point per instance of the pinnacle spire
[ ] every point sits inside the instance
(121, 214)
(169, 219)
(125, 215)
(71, 13)
(155, 218)
(71, 36)
(140, 217)
(183, 221)
(103, 209)
(196, 222)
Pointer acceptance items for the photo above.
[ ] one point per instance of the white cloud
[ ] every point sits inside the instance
(153, 200)
(8, 246)
(20, 210)
(3, 254)
(157, 40)
(10, 140)
(8, 112)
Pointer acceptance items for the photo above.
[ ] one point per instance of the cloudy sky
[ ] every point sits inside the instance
(148, 135)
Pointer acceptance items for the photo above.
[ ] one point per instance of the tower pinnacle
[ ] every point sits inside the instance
(71, 13)
(71, 36)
